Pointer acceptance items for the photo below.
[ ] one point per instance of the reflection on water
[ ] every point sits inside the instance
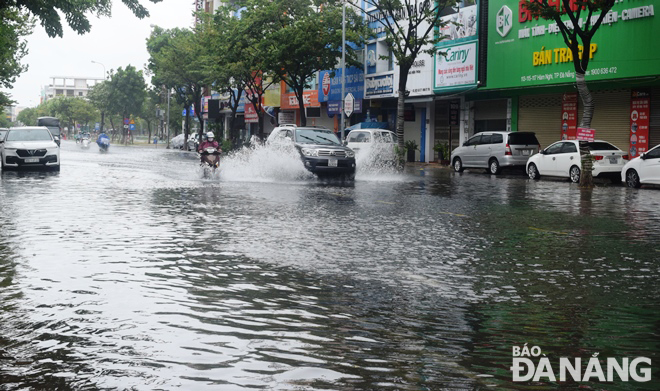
(127, 270)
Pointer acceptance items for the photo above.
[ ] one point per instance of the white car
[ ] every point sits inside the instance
(644, 169)
(177, 141)
(562, 159)
(32, 146)
(373, 146)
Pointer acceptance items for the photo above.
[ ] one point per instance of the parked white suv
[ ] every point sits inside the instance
(495, 150)
(32, 146)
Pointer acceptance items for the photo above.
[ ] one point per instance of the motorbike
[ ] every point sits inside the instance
(104, 144)
(84, 143)
(209, 160)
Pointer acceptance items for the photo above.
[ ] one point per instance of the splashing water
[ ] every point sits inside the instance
(264, 163)
(371, 166)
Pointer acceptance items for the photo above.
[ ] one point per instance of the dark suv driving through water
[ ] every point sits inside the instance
(320, 150)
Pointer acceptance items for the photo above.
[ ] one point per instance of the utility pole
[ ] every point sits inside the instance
(168, 119)
(343, 66)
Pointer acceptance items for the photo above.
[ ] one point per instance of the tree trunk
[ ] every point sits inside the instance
(149, 132)
(112, 124)
(301, 106)
(102, 120)
(186, 129)
(400, 106)
(586, 175)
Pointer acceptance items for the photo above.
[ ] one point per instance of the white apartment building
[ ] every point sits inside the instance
(68, 86)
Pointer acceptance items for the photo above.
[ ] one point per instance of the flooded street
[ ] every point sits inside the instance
(127, 270)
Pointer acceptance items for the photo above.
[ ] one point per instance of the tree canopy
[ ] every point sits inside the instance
(14, 25)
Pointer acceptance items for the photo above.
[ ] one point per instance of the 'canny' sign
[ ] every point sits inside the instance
(379, 85)
(457, 68)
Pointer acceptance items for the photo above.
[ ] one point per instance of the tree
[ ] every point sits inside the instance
(298, 38)
(126, 94)
(409, 27)
(174, 62)
(74, 12)
(14, 25)
(28, 117)
(577, 37)
(17, 20)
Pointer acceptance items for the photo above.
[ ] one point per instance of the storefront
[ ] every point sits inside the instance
(456, 69)
(538, 76)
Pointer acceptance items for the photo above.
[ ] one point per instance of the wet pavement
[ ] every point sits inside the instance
(127, 270)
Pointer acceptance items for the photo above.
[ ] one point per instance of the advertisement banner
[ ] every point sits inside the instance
(457, 68)
(286, 117)
(330, 86)
(251, 114)
(640, 106)
(569, 112)
(524, 51)
(585, 134)
(380, 85)
(310, 99)
(461, 21)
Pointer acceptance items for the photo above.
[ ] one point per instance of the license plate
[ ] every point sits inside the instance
(613, 160)
(526, 152)
(32, 160)
(332, 162)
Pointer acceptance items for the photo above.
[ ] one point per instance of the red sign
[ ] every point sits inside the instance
(585, 134)
(326, 84)
(310, 99)
(250, 113)
(569, 107)
(640, 105)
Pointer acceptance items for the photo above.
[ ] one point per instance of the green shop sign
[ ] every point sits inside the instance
(523, 51)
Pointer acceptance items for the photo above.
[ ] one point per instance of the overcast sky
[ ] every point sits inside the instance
(114, 42)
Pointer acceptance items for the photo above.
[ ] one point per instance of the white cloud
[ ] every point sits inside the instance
(114, 42)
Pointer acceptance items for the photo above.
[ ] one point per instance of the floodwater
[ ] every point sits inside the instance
(129, 271)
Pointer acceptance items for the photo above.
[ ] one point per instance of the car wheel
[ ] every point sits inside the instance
(458, 165)
(494, 166)
(574, 174)
(632, 179)
(533, 172)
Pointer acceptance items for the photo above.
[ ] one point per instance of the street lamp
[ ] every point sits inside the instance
(96, 62)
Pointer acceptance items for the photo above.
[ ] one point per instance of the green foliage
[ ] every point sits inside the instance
(226, 145)
(126, 92)
(75, 12)
(14, 25)
(410, 145)
(297, 38)
(442, 149)
(176, 61)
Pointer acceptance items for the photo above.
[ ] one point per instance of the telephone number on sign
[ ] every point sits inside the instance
(602, 71)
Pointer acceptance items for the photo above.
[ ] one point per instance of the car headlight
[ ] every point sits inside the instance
(350, 154)
(310, 152)
(10, 149)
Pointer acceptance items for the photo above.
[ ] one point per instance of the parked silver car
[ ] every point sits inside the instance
(495, 150)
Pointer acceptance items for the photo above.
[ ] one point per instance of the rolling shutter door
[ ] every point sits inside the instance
(541, 114)
(611, 117)
(654, 131)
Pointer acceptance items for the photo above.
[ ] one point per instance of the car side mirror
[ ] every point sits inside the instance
(345, 142)
(465, 144)
(643, 156)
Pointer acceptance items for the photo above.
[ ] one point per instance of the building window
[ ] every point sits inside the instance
(69, 92)
(390, 62)
(59, 92)
(80, 93)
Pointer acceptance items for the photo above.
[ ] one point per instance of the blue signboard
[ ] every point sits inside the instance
(335, 105)
(97, 126)
(330, 87)
(241, 102)
(131, 127)
(380, 85)
(192, 112)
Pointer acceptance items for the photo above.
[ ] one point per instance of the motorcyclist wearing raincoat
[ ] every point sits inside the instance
(210, 142)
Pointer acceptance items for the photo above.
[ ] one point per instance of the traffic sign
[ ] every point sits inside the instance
(131, 127)
(349, 103)
(97, 126)
(125, 126)
(131, 122)
(125, 121)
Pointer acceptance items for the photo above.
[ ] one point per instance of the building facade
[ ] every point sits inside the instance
(77, 87)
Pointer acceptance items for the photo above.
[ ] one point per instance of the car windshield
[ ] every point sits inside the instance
(523, 139)
(29, 135)
(316, 136)
(2, 134)
(359, 137)
(601, 146)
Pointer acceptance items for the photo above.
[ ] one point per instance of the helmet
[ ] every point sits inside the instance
(210, 135)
